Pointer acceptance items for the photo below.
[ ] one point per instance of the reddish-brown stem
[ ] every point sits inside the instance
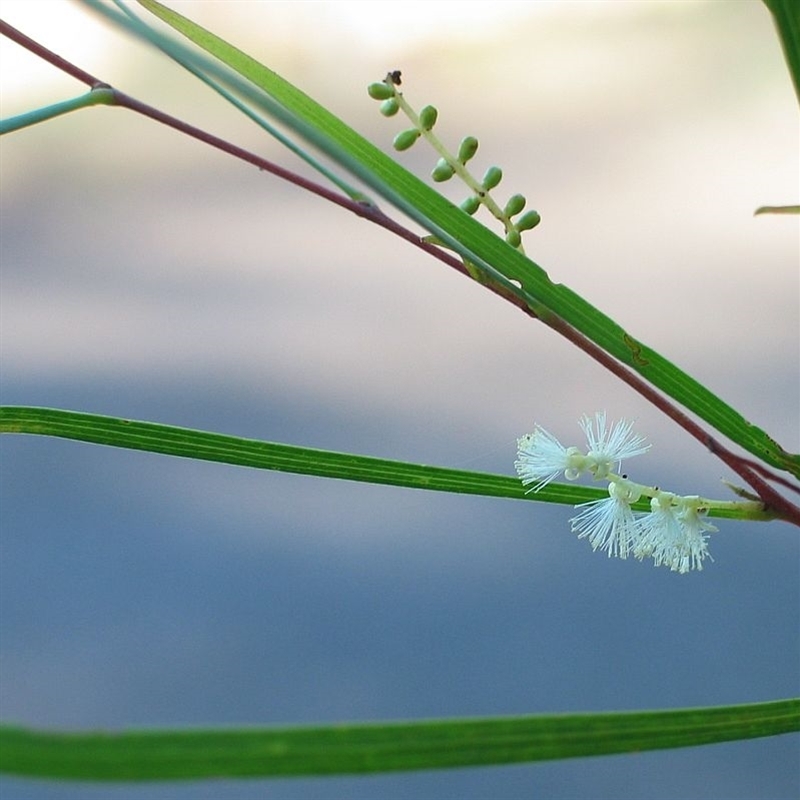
(751, 472)
(47, 55)
(772, 499)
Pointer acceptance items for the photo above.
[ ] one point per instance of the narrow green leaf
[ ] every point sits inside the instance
(478, 245)
(786, 14)
(377, 747)
(777, 210)
(201, 445)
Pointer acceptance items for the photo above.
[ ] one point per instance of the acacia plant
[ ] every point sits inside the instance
(622, 518)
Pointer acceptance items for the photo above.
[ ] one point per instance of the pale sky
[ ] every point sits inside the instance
(66, 27)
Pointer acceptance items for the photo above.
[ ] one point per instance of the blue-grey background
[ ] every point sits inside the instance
(146, 276)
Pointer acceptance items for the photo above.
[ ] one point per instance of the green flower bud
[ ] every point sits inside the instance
(442, 171)
(470, 205)
(467, 149)
(514, 205)
(405, 139)
(389, 107)
(530, 219)
(427, 117)
(513, 237)
(380, 91)
(492, 177)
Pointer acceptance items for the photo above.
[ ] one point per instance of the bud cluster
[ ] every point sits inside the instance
(448, 165)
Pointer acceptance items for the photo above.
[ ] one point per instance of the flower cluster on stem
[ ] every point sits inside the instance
(422, 123)
(673, 533)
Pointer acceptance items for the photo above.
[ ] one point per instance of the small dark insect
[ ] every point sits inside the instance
(394, 77)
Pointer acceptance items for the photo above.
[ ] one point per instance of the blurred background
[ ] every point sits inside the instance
(147, 276)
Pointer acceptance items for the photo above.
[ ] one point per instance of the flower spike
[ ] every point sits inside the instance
(673, 533)
(448, 165)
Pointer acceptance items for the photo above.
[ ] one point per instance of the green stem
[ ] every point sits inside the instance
(705, 503)
(100, 95)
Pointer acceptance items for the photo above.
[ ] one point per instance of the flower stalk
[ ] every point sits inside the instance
(448, 165)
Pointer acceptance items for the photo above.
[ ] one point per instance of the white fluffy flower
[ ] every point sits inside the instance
(673, 534)
(609, 524)
(609, 446)
(660, 531)
(693, 548)
(541, 458)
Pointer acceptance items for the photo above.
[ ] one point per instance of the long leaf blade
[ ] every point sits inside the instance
(206, 446)
(376, 747)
